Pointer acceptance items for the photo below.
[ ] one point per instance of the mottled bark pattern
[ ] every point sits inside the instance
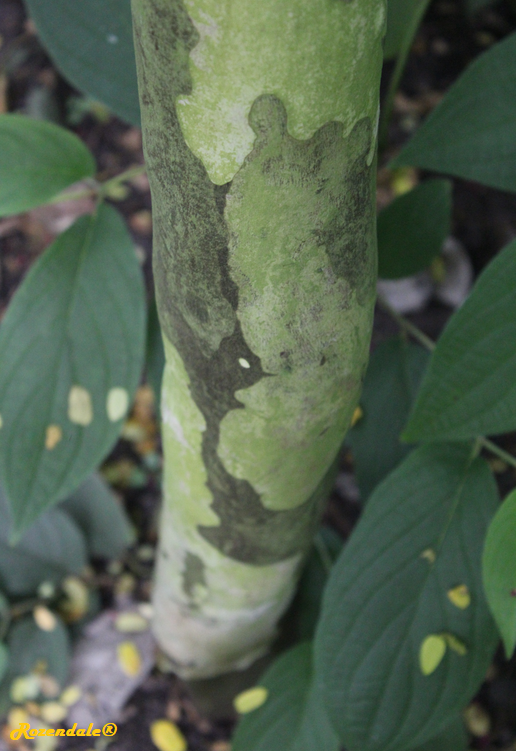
(265, 288)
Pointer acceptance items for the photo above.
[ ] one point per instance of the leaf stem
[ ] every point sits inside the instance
(406, 325)
(499, 452)
(323, 552)
(99, 190)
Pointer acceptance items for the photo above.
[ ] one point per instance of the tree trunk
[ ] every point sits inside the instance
(259, 123)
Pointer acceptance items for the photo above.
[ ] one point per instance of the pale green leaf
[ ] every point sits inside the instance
(499, 569)
(37, 161)
(469, 388)
(390, 386)
(413, 228)
(71, 353)
(421, 534)
(49, 550)
(471, 133)
(30, 645)
(91, 42)
(293, 717)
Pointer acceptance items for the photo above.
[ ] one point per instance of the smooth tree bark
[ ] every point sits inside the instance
(259, 123)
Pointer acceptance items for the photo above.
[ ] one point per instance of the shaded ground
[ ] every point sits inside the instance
(484, 220)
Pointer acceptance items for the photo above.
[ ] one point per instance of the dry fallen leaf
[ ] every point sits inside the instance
(129, 658)
(166, 736)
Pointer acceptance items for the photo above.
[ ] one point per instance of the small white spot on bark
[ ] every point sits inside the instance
(117, 403)
(112, 38)
(1, 421)
(244, 363)
(80, 409)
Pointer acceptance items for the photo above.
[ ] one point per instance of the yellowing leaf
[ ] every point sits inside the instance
(167, 736)
(80, 409)
(117, 403)
(131, 623)
(250, 700)
(53, 712)
(428, 555)
(456, 644)
(477, 720)
(52, 436)
(24, 688)
(460, 596)
(129, 658)
(70, 695)
(432, 651)
(77, 598)
(44, 618)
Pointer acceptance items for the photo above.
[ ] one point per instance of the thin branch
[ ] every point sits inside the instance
(414, 331)
(406, 325)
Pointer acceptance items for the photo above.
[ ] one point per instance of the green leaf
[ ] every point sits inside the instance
(452, 738)
(401, 15)
(307, 603)
(91, 42)
(420, 537)
(29, 645)
(101, 518)
(499, 569)
(471, 133)
(37, 161)
(155, 359)
(469, 388)
(413, 228)
(390, 386)
(71, 353)
(293, 717)
(52, 548)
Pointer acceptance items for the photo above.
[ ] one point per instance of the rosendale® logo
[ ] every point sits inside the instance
(25, 729)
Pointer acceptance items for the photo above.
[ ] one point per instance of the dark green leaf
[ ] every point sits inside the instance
(52, 548)
(452, 738)
(101, 518)
(390, 386)
(71, 352)
(91, 42)
(155, 353)
(293, 717)
(307, 603)
(400, 22)
(471, 133)
(413, 228)
(469, 388)
(28, 645)
(420, 537)
(499, 568)
(37, 161)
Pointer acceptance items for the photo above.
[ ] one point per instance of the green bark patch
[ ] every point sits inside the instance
(212, 294)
